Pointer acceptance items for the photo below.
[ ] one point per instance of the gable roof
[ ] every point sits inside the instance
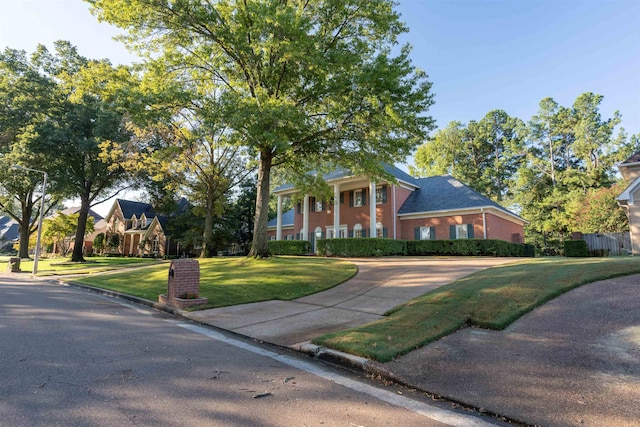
(130, 208)
(287, 219)
(75, 209)
(9, 228)
(445, 193)
(634, 158)
(341, 173)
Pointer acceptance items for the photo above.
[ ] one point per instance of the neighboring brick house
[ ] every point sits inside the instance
(434, 208)
(141, 231)
(630, 198)
(87, 245)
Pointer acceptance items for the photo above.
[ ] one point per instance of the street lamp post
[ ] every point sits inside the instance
(44, 190)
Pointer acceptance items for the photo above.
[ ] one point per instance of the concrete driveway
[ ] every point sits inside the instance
(379, 285)
(574, 361)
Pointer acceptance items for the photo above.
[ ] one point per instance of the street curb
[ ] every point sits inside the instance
(334, 357)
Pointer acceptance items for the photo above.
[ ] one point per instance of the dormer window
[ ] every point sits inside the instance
(143, 221)
(134, 222)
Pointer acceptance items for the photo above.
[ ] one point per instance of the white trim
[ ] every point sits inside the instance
(627, 194)
(465, 211)
(395, 213)
(373, 209)
(346, 179)
(279, 219)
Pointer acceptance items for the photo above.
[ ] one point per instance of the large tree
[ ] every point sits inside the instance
(484, 154)
(27, 94)
(302, 82)
(86, 130)
(571, 155)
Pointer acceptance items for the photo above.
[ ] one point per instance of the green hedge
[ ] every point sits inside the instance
(467, 247)
(361, 247)
(289, 247)
(576, 248)
(389, 247)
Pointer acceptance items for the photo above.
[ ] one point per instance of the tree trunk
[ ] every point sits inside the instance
(25, 230)
(259, 246)
(78, 245)
(207, 235)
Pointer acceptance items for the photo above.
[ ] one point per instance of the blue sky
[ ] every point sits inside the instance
(480, 54)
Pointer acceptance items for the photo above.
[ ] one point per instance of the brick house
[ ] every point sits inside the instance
(434, 208)
(630, 198)
(141, 231)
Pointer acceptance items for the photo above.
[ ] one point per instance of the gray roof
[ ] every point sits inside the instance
(345, 173)
(9, 228)
(443, 193)
(130, 208)
(287, 219)
(634, 158)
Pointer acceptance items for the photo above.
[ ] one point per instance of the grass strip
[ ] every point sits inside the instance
(58, 266)
(232, 281)
(491, 298)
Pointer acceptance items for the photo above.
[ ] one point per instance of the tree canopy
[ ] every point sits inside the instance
(557, 170)
(300, 83)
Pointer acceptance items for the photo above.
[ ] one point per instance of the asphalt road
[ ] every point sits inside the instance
(70, 357)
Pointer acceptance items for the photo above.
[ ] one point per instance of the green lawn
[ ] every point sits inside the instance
(491, 298)
(58, 266)
(232, 281)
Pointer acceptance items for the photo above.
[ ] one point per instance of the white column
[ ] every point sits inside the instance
(336, 211)
(484, 223)
(305, 218)
(395, 212)
(279, 219)
(372, 210)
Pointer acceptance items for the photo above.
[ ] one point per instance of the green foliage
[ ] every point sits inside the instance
(356, 247)
(99, 243)
(60, 229)
(598, 211)
(468, 247)
(576, 248)
(390, 247)
(484, 155)
(299, 84)
(289, 247)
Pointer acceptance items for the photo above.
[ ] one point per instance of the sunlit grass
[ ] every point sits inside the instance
(58, 266)
(491, 298)
(232, 281)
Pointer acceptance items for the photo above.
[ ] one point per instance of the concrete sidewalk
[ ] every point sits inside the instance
(379, 285)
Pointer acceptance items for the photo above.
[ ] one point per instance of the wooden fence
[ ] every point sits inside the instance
(616, 243)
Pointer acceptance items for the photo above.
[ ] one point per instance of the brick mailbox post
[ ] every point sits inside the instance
(184, 284)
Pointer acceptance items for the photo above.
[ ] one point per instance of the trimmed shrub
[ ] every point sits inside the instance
(289, 247)
(469, 247)
(365, 246)
(576, 248)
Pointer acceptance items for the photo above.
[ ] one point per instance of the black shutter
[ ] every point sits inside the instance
(385, 233)
(384, 194)
(342, 197)
(299, 208)
(416, 233)
(351, 197)
(470, 231)
(364, 197)
(432, 233)
(452, 232)
(351, 233)
(364, 232)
